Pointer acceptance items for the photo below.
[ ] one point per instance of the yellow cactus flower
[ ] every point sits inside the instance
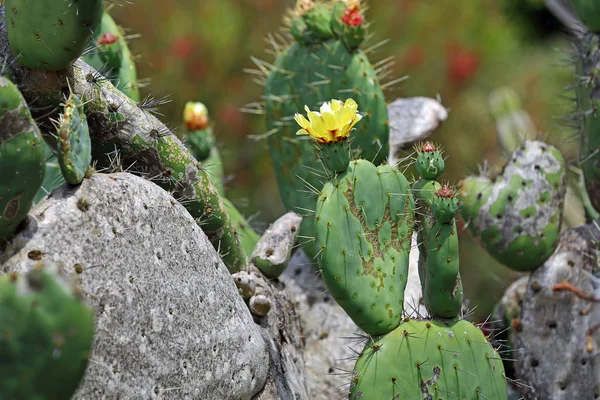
(195, 116)
(332, 124)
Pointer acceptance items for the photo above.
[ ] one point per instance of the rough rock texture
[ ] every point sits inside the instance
(273, 251)
(169, 320)
(328, 330)
(556, 358)
(412, 120)
(283, 335)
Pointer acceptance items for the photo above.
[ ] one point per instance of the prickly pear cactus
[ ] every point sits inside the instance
(248, 237)
(588, 65)
(74, 143)
(442, 285)
(423, 359)
(46, 335)
(364, 223)
(53, 177)
(323, 63)
(22, 159)
(53, 33)
(513, 124)
(111, 56)
(589, 13)
(518, 214)
(202, 143)
(429, 164)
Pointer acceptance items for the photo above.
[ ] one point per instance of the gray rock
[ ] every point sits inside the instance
(329, 334)
(169, 321)
(282, 332)
(557, 355)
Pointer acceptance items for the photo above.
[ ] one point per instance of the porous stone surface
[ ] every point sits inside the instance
(328, 330)
(169, 321)
(283, 335)
(557, 351)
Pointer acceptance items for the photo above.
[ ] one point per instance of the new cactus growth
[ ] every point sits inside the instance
(201, 142)
(46, 335)
(53, 33)
(588, 66)
(318, 66)
(111, 56)
(429, 360)
(22, 158)
(74, 144)
(513, 125)
(518, 215)
(442, 286)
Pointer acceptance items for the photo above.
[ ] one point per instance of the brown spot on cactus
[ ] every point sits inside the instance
(108, 38)
(445, 192)
(11, 209)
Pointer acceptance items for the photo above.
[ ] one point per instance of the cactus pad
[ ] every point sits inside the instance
(315, 69)
(46, 335)
(518, 215)
(364, 223)
(22, 159)
(429, 360)
(51, 34)
(74, 143)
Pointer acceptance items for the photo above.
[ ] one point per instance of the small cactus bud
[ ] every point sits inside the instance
(195, 116)
(352, 15)
(245, 284)
(260, 305)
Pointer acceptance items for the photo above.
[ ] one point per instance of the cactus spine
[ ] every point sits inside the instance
(323, 62)
(54, 33)
(21, 158)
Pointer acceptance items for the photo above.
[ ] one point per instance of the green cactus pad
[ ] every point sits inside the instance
(21, 159)
(513, 125)
(364, 222)
(53, 177)
(430, 163)
(202, 144)
(518, 216)
(588, 67)
(46, 335)
(426, 360)
(442, 287)
(248, 236)
(51, 34)
(74, 143)
(424, 191)
(309, 74)
(114, 58)
(589, 13)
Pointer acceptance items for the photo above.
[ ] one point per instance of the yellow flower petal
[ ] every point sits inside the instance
(303, 122)
(329, 121)
(332, 124)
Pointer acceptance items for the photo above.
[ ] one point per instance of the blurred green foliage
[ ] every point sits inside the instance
(461, 51)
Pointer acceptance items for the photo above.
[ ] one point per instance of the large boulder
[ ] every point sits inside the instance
(169, 320)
